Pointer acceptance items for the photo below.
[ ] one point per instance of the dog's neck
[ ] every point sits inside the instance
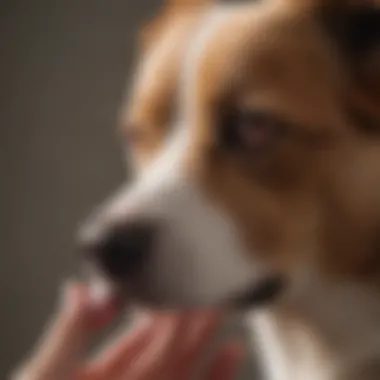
(325, 331)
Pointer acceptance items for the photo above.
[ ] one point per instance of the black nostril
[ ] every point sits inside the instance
(122, 253)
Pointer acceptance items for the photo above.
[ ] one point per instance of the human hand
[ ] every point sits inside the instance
(162, 347)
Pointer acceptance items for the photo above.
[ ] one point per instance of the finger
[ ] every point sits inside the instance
(64, 337)
(197, 336)
(225, 365)
(196, 328)
(123, 350)
(152, 361)
(174, 352)
(128, 328)
(65, 340)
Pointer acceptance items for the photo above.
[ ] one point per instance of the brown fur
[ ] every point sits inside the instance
(297, 197)
(275, 58)
(146, 119)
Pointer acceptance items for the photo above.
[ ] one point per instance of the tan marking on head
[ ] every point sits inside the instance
(172, 9)
(153, 97)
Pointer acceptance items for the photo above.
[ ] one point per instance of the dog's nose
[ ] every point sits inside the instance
(124, 250)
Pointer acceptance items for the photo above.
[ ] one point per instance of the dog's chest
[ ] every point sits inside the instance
(290, 353)
(321, 336)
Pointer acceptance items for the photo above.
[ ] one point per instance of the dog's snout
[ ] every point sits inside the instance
(123, 251)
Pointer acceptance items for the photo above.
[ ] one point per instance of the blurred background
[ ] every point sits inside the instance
(63, 72)
(63, 68)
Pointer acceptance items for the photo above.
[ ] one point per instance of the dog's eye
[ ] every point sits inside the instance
(252, 130)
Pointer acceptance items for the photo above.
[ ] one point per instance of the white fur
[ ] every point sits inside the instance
(322, 331)
(200, 259)
(333, 325)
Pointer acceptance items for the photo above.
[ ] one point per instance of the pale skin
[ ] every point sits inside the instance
(162, 347)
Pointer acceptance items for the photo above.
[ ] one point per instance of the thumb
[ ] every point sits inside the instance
(64, 343)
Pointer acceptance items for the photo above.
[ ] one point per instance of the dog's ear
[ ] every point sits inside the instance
(337, 4)
(170, 10)
(355, 30)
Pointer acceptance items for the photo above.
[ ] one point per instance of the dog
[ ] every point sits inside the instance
(253, 130)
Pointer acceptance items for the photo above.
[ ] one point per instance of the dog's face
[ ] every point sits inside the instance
(254, 159)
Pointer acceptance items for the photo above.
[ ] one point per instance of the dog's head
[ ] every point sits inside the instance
(254, 129)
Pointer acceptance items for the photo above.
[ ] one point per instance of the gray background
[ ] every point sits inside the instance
(63, 68)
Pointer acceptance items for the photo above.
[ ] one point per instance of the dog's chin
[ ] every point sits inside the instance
(258, 295)
(261, 294)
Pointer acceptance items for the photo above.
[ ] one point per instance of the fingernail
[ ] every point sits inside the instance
(70, 296)
(143, 321)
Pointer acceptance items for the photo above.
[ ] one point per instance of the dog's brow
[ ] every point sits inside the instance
(192, 58)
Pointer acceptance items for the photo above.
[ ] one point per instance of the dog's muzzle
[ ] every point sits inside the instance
(122, 253)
